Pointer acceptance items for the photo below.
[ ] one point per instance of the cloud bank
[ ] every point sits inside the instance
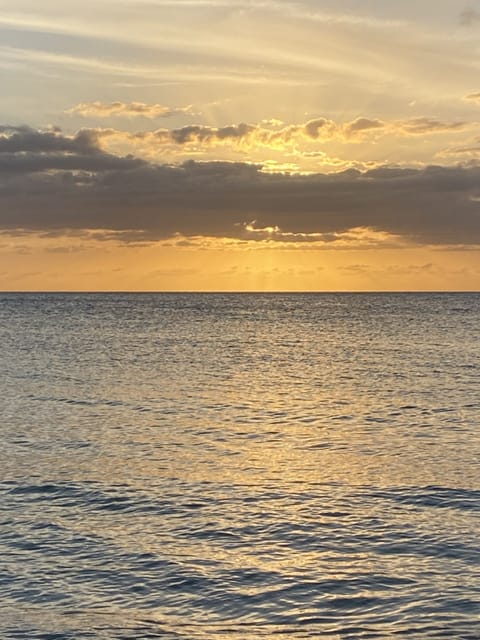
(246, 136)
(52, 183)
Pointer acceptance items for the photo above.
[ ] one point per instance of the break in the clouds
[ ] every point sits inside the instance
(130, 109)
(53, 183)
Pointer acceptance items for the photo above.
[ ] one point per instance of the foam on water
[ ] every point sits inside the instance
(239, 466)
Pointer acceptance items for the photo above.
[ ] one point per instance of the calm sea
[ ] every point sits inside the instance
(239, 467)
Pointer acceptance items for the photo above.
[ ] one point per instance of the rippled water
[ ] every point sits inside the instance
(239, 466)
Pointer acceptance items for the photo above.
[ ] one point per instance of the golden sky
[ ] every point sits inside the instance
(240, 145)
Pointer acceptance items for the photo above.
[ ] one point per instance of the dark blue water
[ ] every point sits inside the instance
(188, 466)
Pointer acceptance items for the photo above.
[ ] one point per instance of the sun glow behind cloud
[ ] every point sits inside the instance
(232, 145)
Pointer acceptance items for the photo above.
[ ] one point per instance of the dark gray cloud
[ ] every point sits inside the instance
(24, 139)
(49, 190)
(25, 150)
(30, 162)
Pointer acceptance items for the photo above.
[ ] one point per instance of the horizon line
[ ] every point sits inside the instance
(235, 292)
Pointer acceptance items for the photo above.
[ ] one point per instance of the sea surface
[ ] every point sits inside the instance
(239, 466)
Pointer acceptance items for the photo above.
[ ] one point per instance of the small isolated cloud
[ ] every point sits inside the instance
(474, 97)
(66, 249)
(469, 16)
(363, 124)
(128, 109)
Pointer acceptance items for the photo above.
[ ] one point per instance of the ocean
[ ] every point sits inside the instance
(239, 466)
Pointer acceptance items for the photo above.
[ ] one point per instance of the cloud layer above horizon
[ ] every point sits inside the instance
(56, 183)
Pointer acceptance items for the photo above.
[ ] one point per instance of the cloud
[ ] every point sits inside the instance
(469, 16)
(25, 150)
(475, 97)
(422, 126)
(51, 183)
(245, 136)
(363, 124)
(130, 109)
(14, 139)
(454, 151)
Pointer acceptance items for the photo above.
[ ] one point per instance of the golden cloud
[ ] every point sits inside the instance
(128, 109)
(293, 137)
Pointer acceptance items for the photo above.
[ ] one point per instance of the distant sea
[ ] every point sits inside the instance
(239, 466)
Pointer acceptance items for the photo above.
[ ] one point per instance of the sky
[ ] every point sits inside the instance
(224, 145)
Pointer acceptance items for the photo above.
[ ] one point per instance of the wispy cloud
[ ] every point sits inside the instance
(474, 97)
(422, 126)
(45, 61)
(129, 109)
(469, 16)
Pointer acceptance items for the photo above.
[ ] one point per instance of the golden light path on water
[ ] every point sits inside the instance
(240, 466)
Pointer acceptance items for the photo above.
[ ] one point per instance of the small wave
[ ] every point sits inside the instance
(434, 497)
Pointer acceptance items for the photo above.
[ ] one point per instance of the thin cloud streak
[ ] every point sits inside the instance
(95, 67)
(352, 46)
(131, 109)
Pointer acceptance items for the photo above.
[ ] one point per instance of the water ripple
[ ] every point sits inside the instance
(194, 467)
